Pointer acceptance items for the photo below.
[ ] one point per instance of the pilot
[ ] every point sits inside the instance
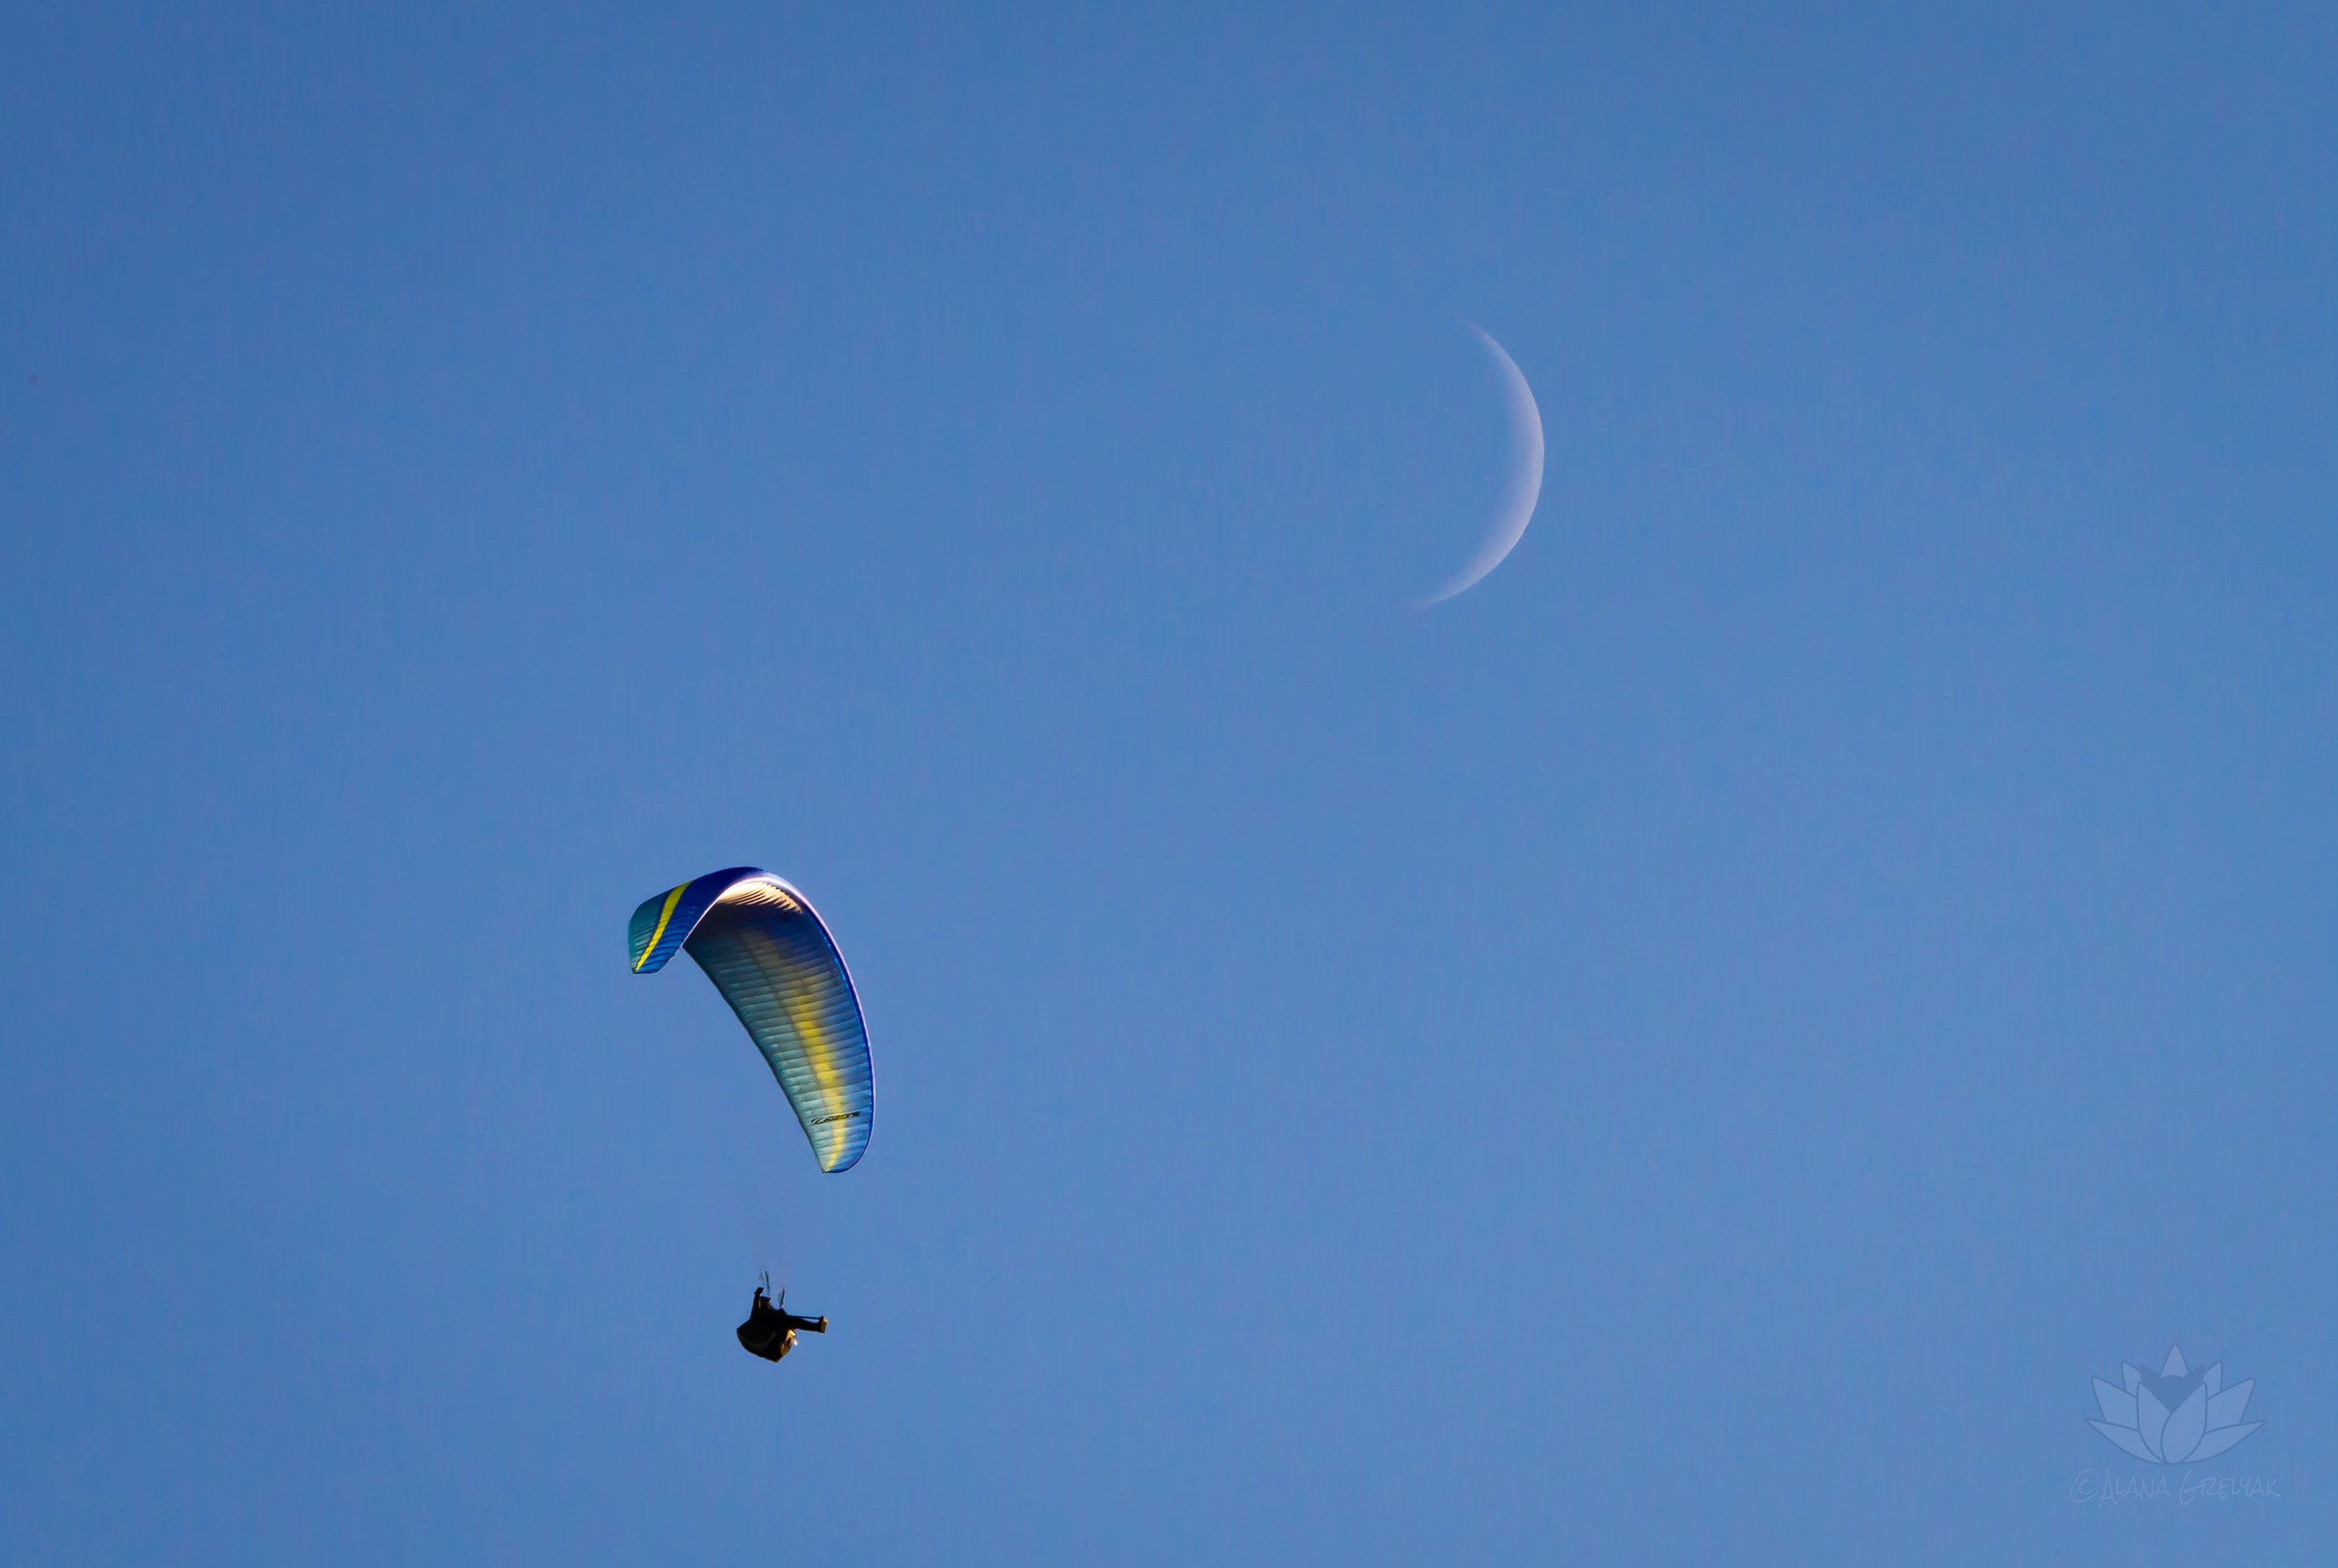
(769, 1330)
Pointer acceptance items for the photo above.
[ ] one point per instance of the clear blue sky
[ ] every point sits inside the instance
(1696, 1051)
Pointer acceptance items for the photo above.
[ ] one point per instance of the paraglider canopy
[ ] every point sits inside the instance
(770, 956)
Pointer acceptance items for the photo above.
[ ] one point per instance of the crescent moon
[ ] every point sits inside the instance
(1525, 485)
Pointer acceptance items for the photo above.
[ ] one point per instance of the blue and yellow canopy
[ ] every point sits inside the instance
(767, 951)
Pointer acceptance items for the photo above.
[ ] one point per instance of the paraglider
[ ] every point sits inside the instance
(770, 954)
(769, 1330)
